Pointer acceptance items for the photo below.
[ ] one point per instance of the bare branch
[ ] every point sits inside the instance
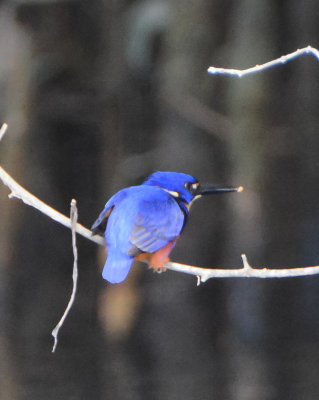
(203, 274)
(281, 60)
(74, 218)
(28, 198)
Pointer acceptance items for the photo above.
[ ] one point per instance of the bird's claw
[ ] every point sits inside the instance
(158, 270)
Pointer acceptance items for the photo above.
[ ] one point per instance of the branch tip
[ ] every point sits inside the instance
(3, 130)
(246, 264)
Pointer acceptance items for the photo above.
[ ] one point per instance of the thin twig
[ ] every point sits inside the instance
(281, 60)
(74, 218)
(3, 130)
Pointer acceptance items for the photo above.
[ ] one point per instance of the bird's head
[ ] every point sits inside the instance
(184, 187)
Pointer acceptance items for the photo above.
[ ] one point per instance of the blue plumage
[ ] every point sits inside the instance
(145, 219)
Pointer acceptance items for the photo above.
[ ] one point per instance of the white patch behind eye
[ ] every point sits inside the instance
(172, 192)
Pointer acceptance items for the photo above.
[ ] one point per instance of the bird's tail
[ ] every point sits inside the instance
(117, 266)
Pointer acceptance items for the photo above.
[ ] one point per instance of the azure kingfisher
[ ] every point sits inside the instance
(144, 222)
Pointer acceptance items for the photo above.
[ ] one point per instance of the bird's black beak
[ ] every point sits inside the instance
(207, 188)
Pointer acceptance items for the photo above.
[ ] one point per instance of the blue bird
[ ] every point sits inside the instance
(144, 222)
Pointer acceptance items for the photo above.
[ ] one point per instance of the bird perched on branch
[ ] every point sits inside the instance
(144, 222)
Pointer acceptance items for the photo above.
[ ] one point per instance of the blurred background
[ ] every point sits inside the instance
(98, 94)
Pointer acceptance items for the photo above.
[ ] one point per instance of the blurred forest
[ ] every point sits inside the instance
(98, 94)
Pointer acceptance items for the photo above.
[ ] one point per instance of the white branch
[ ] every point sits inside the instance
(281, 60)
(28, 198)
(74, 218)
(3, 130)
(202, 274)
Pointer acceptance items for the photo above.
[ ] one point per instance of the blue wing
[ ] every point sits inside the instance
(159, 221)
(144, 219)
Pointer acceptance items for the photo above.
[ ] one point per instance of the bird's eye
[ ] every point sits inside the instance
(192, 187)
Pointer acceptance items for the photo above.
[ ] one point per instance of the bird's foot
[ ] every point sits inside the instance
(159, 267)
(159, 270)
